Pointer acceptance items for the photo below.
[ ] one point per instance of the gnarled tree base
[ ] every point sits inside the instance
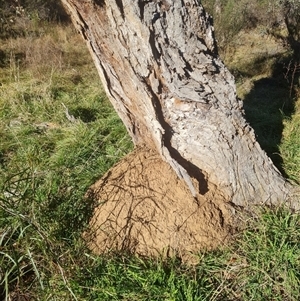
(145, 209)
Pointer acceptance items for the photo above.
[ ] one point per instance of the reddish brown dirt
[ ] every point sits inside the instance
(144, 208)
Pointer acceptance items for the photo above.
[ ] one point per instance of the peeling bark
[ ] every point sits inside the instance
(159, 65)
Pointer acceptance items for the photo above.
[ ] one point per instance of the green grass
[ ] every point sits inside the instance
(48, 161)
(290, 145)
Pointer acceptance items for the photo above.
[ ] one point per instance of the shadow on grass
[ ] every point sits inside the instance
(266, 106)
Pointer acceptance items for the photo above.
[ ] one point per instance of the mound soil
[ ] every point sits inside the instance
(145, 209)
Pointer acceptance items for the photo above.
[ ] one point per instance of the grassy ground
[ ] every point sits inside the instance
(59, 134)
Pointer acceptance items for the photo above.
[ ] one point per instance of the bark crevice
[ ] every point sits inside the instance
(100, 3)
(121, 8)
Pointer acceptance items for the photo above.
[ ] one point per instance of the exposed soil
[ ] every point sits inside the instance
(144, 208)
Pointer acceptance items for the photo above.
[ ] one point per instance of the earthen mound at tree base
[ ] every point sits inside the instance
(144, 208)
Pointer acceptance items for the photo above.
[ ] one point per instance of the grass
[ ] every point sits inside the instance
(48, 159)
(263, 263)
(290, 145)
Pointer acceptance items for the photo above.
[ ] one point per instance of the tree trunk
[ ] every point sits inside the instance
(159, 65)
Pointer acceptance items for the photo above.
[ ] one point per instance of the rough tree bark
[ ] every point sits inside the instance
(159, 64)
